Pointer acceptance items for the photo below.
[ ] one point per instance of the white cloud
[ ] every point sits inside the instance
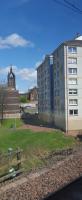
(22, 73)
(14, 40)
(26, 73)
(38, 63)
(26, 78)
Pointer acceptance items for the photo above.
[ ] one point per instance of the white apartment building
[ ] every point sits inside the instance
(59, 80)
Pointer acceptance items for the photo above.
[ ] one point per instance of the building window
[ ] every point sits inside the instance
(57, 74)
(73, 91)
(72, 81)
(58, 83)
(51, 60)
(72, 71)
(72, 60)
(72, 49)
(73, 102)
(57, 65)
(73, 112)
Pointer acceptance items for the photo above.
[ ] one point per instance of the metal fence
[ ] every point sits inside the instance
(10, 162)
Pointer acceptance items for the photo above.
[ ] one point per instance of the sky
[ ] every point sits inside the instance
(30, 29)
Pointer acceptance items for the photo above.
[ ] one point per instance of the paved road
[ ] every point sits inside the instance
(71, 192)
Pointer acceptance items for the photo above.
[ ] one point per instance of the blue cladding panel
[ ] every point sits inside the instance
(51, 87)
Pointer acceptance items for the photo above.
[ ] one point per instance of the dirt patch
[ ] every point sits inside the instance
(37, 128)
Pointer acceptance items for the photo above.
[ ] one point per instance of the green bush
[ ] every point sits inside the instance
(23, 99)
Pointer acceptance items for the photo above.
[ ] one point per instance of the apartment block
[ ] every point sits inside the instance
(45, 88)
(59, 80)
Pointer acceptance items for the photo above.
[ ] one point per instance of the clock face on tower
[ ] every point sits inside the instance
(11, 79)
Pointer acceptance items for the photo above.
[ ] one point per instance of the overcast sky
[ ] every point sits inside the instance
(30, 29)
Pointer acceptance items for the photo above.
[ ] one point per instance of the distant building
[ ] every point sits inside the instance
(59, 79)
(32, 94)
(12, 107)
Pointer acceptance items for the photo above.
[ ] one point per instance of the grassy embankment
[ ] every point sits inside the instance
(11, 123)
(35, 145)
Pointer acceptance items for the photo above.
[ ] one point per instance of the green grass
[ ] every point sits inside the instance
(29, 140)
(35, 145)
(11, 123)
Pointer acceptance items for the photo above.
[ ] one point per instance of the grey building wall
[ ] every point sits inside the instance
(59, 88)
(43, 82)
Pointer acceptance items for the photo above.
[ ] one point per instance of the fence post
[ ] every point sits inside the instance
(18, 155)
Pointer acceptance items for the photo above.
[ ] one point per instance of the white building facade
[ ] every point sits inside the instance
(60, 86)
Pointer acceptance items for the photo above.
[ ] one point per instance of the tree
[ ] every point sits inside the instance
(23, 99)
(3, 104)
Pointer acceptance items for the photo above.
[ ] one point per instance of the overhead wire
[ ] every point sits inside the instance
(73, 6)
(69, 5)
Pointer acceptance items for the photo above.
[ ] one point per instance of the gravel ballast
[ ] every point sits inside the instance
(45, 181)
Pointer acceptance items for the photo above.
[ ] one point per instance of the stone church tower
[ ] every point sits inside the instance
(12, 98)
(11, 79)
